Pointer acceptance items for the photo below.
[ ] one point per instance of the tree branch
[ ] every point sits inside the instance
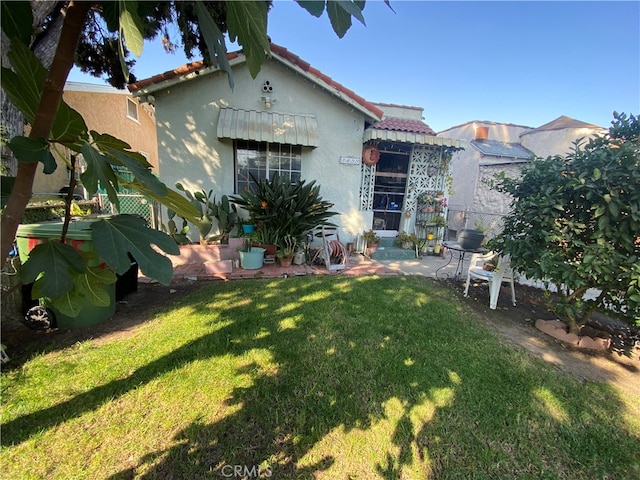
(41, 128)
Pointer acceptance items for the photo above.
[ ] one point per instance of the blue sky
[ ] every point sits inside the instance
(515, 62)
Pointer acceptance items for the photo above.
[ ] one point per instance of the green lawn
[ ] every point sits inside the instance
(314, 377)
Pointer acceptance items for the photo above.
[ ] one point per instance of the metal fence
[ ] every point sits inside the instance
(490, 223)
(132, 204)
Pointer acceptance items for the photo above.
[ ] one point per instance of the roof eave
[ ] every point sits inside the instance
(144, 91)
(370, 116)
(505, 161)
(505, 158)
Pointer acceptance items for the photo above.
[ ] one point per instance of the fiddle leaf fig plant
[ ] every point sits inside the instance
(36, 92)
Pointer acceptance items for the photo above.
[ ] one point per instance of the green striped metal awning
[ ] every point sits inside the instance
(272, 127)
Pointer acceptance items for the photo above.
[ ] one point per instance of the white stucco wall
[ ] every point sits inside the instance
(190, 152)
(465, 163)
(401, 111)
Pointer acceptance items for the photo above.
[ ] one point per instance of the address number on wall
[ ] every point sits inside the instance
(350, 160)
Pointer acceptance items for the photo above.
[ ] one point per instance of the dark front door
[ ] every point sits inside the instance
(390, 186)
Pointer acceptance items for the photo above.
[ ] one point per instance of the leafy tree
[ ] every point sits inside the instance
(111, 28)
(576, 223)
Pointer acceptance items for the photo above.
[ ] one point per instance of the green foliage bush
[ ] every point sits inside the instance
(52, 210)
(371, 237)
(576, 223)
(224, 212)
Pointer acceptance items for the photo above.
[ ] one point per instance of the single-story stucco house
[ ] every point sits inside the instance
(500, 147)
(372, 161)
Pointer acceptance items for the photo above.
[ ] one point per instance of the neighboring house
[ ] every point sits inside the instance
(501, 147)
(106, 110)
(295, 120)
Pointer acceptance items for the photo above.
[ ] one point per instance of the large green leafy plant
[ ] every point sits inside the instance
(224, 212)
(61, 272)
(36, 91)
(279, 208)
(576, 223)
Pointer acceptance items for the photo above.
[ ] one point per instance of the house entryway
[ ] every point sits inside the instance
(396, 182)
(389, 189)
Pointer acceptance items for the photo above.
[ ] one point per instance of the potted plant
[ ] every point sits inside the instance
(247, 228)
(372, 240)
(203, 202)
(287, 250)
(470, 239)
(439, 221)
(251, 258)
(278, 208)
(426, 197)
(226, 215)
(404, 240)
(491, 264)
(224, 212)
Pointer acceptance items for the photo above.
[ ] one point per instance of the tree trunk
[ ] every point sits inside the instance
(41, 128)
(45, 48)
(12, 125)
(12, 120)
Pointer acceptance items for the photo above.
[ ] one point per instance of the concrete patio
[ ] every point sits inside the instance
(440, 267)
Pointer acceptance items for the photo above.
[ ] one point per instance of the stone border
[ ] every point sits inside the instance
(558, 330)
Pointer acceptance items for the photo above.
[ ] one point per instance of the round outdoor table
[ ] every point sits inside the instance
(461, 253)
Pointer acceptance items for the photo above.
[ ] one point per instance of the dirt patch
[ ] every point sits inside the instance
(136, 308)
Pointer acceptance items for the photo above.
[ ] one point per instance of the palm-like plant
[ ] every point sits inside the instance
(279, 208)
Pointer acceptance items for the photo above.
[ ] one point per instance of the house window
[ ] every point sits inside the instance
(264, 160)
(132, 109)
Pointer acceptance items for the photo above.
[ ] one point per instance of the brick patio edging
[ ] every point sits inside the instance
(558, 330)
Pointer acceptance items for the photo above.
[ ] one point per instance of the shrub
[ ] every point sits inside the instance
(576, 223)
(279, 208)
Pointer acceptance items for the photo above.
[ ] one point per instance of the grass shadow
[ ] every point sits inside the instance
(387, 366)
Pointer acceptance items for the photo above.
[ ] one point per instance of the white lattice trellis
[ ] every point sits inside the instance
(423, 159)
(366, 188)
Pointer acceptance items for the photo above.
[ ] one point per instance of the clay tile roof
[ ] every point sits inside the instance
(169, 74)
(404, 125)
(305, 66)
(279, 51)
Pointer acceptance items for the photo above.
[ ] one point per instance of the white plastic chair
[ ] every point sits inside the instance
(502, 273)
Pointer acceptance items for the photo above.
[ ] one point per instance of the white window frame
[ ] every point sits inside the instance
(275, 158)
(130, 114)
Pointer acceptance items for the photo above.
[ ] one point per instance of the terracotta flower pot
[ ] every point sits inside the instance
(286, 261)
(269, 249)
